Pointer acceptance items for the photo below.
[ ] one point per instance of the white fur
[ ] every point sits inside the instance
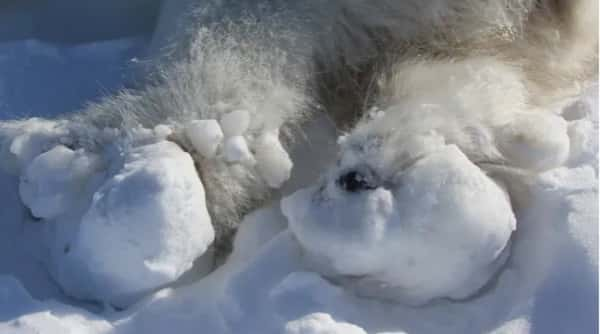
(392, 234)
(463, 69)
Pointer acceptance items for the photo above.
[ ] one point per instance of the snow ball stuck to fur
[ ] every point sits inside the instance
(236, 149)
(535, 141)
(54, 180)
(375, 113)
(35, 136)
(320, 323)
(235, 123)
(273, 162)
(436, 229)
(162, 131)
(584, 139)
(205, 136)
(144, 228)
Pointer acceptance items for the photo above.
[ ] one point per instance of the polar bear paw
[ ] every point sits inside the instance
(117, 224)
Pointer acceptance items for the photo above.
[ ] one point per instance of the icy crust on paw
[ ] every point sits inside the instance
(54, 180)
(22, 141)
(117, 223)
(144, 227)
(439, 229)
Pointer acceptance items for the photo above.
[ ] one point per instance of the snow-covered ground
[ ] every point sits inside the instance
(91, 46)
(29, 69)
(110, 243)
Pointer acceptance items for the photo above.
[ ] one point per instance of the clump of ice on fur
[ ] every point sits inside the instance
(236, 149)
(320, 323)
(33, 138)
(162, 131)
(584, 140)
(235, 123)
(55, 179)
(273, 162)
(144, 228)
(536, 141)
(375, 113)
(438, 231)
(205, 135)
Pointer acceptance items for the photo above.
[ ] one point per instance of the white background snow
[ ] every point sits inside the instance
(49, 66)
